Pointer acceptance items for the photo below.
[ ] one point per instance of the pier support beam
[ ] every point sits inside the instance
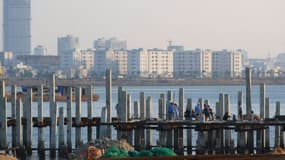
(78, 140)
(267, 131)
(260, 134)
(149, 107)
(89, 111)
(13, 112)
(277, 128)
(69, 119)
(28, 132)
(19, 133)
(61, 140)
(162, 116)
(41, 144)
(241, 135)
(109, 101)
(189, 131)
(3, 123)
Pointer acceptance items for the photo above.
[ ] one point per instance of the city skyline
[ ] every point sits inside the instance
(256, 26)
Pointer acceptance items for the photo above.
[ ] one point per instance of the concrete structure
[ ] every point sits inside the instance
(138, 63)
(227, 64)
(17, 26)
(6, 58)
(40, 61)
(87, 59)
(192, 63)
(112, 43)
(67, 44)
(40, 50)
(117, 60)
(160, 63)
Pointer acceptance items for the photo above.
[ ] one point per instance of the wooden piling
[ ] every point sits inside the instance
(61, 137)
(129, 106)
(179, 137)
(136, 110)
(189, 131)
(2, 89)
(102, 131)
(28, 125)
(69, 119)
(267, 131)
(13, 112)
(277, 128)
(181, 103)
(169, 141)
(229, 147)
(148, 138)
(162, 116)
(19, 110)
(142, 105)
(89, 111)
(260, 134)
(3, 123)
(109, 103)
(241, 135)
(53, 115)
(219, 148)
(78, 93)
(41, 144)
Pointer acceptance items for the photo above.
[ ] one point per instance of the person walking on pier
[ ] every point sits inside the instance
(171, 111)
(206, 111)
(176, 111)
(226, 116)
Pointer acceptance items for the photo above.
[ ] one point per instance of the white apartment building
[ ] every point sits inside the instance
(117, 60)
(6, 58)
(160, 63)
(70, 60)
(192, 63)
(227, 64)
(138, 63)
(87, 59)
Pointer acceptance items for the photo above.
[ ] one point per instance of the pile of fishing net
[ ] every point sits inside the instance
(116, 152)
(278, 150)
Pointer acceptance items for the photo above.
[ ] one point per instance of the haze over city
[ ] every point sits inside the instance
(256, 25)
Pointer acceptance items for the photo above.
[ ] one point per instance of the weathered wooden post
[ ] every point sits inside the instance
(69, 119)
(169, 141)
(148, 138)
(229, 146)
(249, 107)
(267, 131)
(142, 116)
(189, 131)
(61, 141)
(260, 134)
(41, 144)
(102, 131)
(89, 110)
(161, 116)
(13, 112)
(178, 133)
(220, 107)
(277, 128)
(241, 135)
(3, 123)
(136, 110)
(78, 141)
(27, 134)
(19, 110)
(109, 103)
(53, 115)
(2, 89)
(129, 117)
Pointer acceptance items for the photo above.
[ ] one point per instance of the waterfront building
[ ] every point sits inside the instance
(112, 43)
(87, 59)
(17, 26)
(40, 62)
(138, 63)
(160, 63)
(192, 63)
(117, 60)
(226, 64)
(40, 50)
(69, 52)
(6, 59)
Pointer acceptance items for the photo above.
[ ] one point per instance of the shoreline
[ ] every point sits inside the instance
(144, 82)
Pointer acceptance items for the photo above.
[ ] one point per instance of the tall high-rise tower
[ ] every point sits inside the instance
(17, 26)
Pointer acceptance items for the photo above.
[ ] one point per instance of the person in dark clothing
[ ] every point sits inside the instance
(226, 116)
(240, 113)
(206, 111)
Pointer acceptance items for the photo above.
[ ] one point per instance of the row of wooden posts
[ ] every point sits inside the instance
(210, 140)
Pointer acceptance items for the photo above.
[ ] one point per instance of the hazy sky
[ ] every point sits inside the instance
(255, 25)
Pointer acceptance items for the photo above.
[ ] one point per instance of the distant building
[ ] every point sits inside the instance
(69, 52)
(192, 63)
(117, 60)
(87, 59)
(112, 43)
(6, 59)
(68, 43)
(138, 63)
(160, 63)
(40, 50)
(280, 61)
(226, 64)
(258, 67)
(17, 26)
(47, 62)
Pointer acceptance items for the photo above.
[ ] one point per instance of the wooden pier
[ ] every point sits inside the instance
(135, 122)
